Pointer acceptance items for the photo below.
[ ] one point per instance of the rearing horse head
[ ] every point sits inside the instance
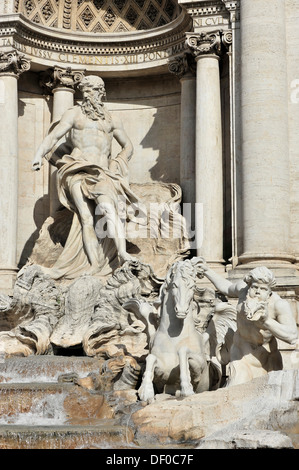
(180, 282)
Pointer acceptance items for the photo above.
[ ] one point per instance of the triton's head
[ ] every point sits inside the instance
(260, 282)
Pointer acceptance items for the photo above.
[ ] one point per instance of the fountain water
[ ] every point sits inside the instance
(38, 410)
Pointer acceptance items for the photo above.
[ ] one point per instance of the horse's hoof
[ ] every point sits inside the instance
(187, 392)
(146, 396)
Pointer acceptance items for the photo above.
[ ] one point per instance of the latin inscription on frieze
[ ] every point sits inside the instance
(92, 59)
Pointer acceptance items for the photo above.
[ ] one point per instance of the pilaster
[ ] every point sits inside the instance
(184, 68)
(12, 65)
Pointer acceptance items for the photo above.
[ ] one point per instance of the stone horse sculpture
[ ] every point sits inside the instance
(179, 355)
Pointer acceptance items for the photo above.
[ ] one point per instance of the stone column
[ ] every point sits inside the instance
(207, 48)
(7, 7)
(12, 64)
(61, 82)
(264, 121)
(184, 68)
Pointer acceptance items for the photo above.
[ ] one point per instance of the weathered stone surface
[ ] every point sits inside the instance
(248, 440)
(265, 404)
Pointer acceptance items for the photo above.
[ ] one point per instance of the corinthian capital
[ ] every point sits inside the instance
(13, 62)
(59, 77)
(182, 65)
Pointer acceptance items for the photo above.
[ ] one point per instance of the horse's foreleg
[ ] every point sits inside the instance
(185, 377)
(146, 390)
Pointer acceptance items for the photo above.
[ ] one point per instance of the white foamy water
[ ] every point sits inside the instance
(43, 369)
(48, 411)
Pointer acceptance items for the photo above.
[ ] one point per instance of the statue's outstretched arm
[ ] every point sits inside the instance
(225, 286)
(65, 124)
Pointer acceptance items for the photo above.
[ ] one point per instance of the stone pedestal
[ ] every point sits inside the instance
(12, 65)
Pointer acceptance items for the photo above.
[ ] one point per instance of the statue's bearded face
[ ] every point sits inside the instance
(92, 104)
(259, 291)
(256, 300)
(94, 94)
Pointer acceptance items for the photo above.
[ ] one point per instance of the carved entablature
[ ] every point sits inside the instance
(60, 78)
(127, 51)
(13, 63)
(208, 14)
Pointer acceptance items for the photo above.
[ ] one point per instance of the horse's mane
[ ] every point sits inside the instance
(185, 268)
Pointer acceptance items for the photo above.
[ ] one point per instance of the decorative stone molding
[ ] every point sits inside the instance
(60, 78)
(13, 62)
(227, 38)
(203, 8)
(32, 36)
(231, 5)
(205, 43)
(212, 43)
(182, 65)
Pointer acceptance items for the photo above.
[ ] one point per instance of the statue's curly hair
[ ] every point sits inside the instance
(91, 81)
(260, 274)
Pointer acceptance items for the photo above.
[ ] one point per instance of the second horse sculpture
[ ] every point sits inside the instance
(179, 355)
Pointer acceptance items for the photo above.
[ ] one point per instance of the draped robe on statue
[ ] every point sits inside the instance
(94, 181)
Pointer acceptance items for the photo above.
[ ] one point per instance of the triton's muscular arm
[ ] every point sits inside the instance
(121, 137)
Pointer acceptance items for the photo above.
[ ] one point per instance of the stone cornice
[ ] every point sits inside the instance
(86, 43)
(14, 63)
(204, 8)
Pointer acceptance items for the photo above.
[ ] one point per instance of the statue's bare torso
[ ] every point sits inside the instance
(92, 138)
